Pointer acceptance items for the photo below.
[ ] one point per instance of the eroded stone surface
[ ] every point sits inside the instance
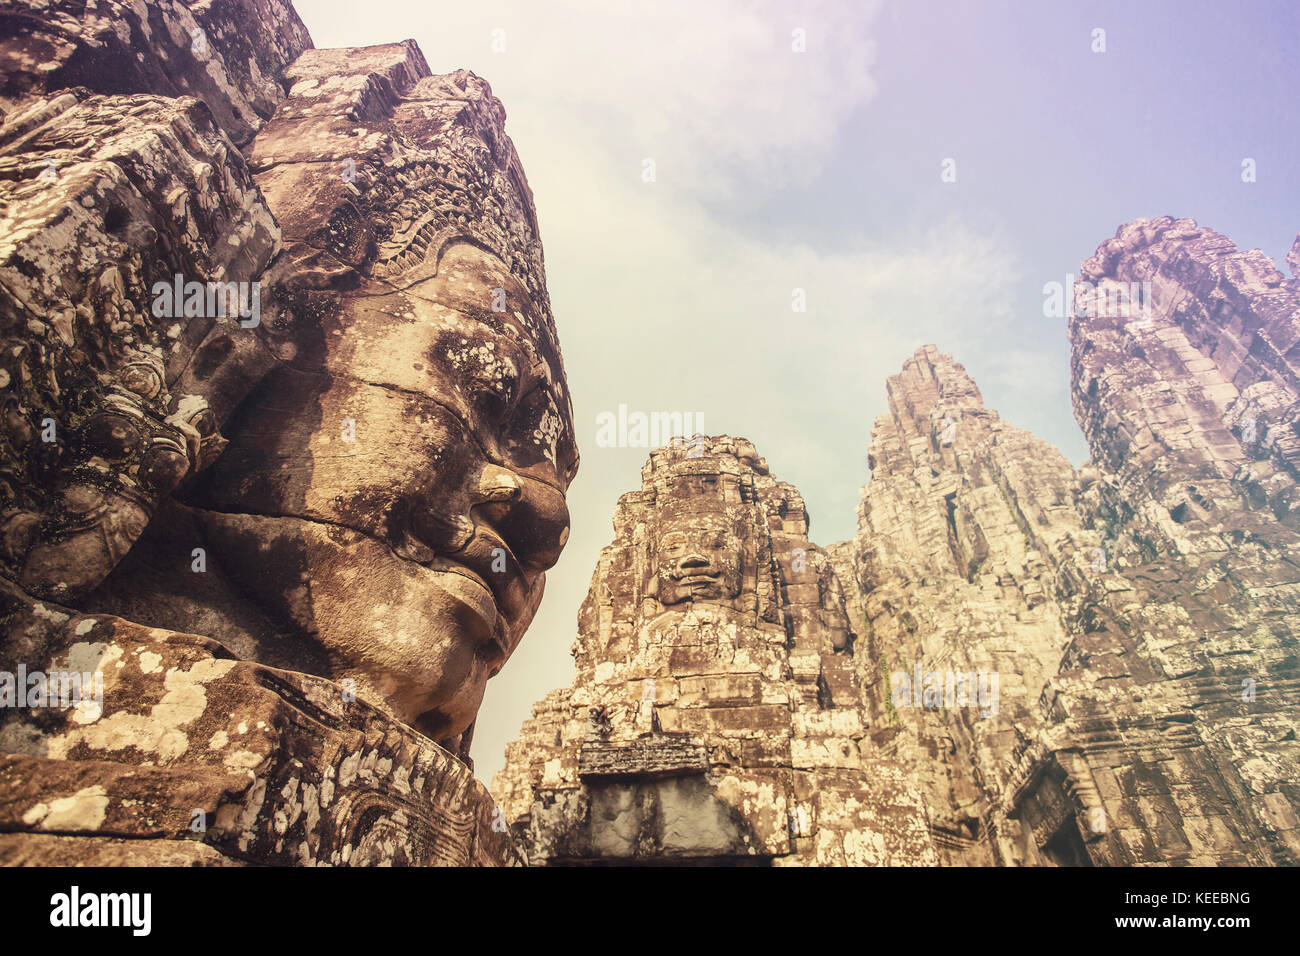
(1173, 716)
(105, 199)
(245, 762)
(231, 54)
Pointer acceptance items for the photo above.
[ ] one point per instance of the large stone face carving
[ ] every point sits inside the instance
(418, 425)
(306, 401)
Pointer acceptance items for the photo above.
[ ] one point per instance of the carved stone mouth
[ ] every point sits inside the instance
(454, 567)
(699, 577)
(495, 606)
(471, 554)
(489, 608)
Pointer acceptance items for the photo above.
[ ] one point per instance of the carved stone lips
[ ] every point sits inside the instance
(699, 577)
(472, 551)
(471, 590)
(502, 592)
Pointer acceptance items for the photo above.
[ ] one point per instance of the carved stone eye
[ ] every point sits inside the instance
(212, 356)
(204, 421)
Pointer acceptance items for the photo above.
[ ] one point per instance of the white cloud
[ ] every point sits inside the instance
(662, 302)
(712, 91)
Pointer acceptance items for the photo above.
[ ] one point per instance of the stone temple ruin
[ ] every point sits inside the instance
(285, 447)
(717, 711)
(1014, 662)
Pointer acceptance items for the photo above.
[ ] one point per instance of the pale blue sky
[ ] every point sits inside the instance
(821, 170)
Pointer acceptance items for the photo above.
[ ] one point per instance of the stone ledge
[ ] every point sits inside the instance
(659, 756)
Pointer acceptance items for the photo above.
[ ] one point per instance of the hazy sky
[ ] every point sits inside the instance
(777, 170)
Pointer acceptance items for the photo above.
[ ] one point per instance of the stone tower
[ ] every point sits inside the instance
(1052, 666)
(716, 715)
(1141, 612)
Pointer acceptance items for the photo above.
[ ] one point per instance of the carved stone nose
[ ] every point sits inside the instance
(529, 516)
(693, 562)
(497, 484)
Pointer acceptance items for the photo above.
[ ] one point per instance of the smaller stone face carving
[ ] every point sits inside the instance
(697, 558)
(716, 692)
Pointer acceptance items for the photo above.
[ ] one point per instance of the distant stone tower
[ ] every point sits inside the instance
(716, 716)
(1141, 612)
(967, 537)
